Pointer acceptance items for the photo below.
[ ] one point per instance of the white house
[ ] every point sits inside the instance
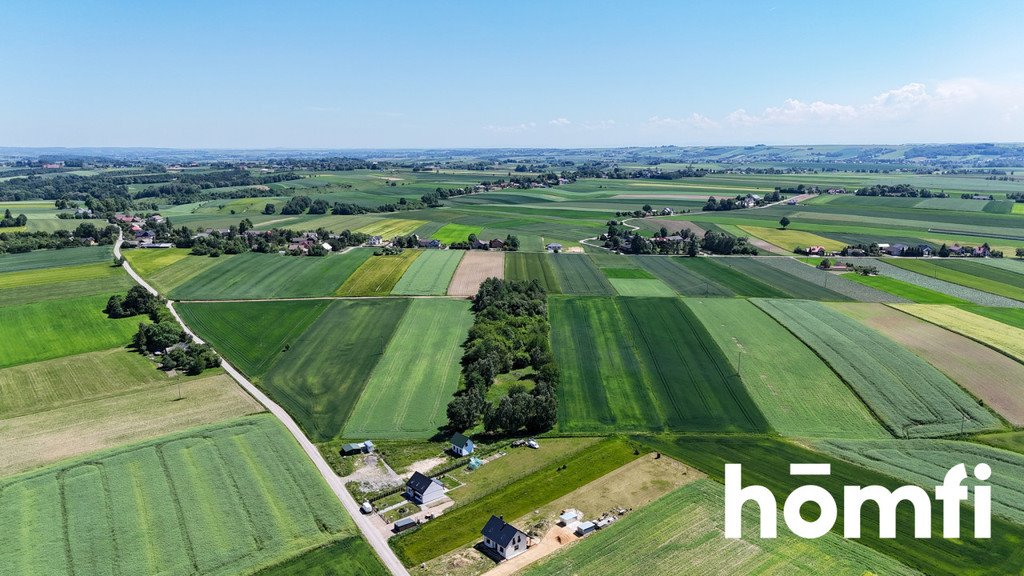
(461, 445)
(423, 489)
(504, 539)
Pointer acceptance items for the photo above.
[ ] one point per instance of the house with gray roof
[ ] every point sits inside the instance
(423, 489)
(504, 539)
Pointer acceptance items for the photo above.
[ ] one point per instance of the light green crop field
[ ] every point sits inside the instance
(779, 279)
(391, 227)
(1003, 337)
(39, 259)
(174, 273)
(461, 525)
(641, 287)
(253, 275)
(411, 385)
(906, 290)
(643, 364)
(346, 557)
(378, 275)
(909, 396)
(792, 239)
(926, 462)
(321, 376)
(797, 392)
(967, 274)
(450, 233)
(578, 275)
(1009, 316)
(682, 279)
(531, 266)
(55, 328)
(251, 335)
(685, 529)
(224, 499)
(148, 261)
(732, 281)
(37, 285)
(429, 274)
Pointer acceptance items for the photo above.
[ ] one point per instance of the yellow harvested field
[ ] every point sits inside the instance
(44, 437)
(792, 239)
(390, 227)
(1004, 338)
(475, 267)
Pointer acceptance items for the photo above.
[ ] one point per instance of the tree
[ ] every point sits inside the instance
(269, 209)
(1020, 252)
(648, 208)
(784, 222)
(691, 247)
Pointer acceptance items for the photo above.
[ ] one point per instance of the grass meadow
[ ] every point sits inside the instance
(909, 396)
(797, 392)
(905, 290)
(217, 500)
(321, 376)
(429, 274)
(643, 364)
(450, 233)
(412, 383)
(377, 275)
(39, 259)
(532, 266)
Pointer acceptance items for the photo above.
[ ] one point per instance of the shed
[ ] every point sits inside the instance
(422, 489)
(404, 524)
(368, 447)
(554, 247)
(585, 528)
(462, 445)
(353, 448)
(569, 516)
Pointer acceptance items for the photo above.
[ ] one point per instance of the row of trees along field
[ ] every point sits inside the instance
(163, 336)
(509, 332)
(83, 235)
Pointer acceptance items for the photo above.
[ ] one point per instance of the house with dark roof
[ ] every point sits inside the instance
(461, 445)
(497, 243)
(504, 539)
(432, 244)
(422, 489)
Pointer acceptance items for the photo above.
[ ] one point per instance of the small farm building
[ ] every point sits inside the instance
(462, 445)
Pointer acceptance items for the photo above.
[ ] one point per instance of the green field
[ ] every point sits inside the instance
(925, 463)
(39, 259)
(321, 376)
(253, 275)
(971, 274)
(450, 233)
(346, 557)
(378, 275)
(731, 280)
(1010, 316)
(682, 279)
(412, 383)
(429, 274)
(55, 328)
(391, 227)
(461, 525)
(797, 392)
(28, 286)
(685, 529)
(531, 266)
(643, 364)
(766, 462)
(217, 500)
(903, 289)
(641, 287)
(1002, 337)
(631, 273)
(151, 260)
(578, 275)
(165, 271)
(791, 285)
(909, 396)
(251, 335)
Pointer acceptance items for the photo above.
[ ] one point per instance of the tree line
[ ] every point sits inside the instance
(510, 331)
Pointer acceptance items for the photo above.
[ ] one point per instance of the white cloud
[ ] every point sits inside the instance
(560, 122)
(795, 112)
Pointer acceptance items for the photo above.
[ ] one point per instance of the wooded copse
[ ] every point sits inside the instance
(510, 331)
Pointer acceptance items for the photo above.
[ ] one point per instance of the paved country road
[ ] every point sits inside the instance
(373, 536)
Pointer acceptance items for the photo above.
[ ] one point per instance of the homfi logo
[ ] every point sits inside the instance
(951, 492)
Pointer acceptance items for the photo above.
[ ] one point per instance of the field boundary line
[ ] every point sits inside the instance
(378, 542)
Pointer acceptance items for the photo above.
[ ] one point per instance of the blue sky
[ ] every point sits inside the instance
(443, 74)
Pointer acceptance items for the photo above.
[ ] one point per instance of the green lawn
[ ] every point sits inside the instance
(321, 376)
(429, 274)
(797, 392)
(55, 328)
(411, 385)
(251, 335)
(643, 364)
(222, 499)
(450, 233)
(253, 275)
